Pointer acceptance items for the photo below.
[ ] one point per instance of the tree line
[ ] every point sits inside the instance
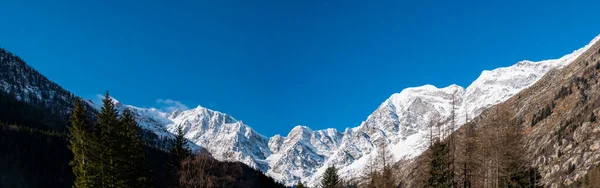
(109, 152)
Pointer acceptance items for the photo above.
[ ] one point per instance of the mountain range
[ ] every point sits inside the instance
(402, 121)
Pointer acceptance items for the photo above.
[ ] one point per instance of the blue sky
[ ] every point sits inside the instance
(277, 64)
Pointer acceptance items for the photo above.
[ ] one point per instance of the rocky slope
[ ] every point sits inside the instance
(559, 118)
(564, 144)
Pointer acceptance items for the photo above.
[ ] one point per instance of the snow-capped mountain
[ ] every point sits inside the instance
(402, 121)
(223, 136)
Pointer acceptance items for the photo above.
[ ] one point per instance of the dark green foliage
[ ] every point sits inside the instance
(81, 143)
(108, 143)
(330, 178)
(131, 155)
(52, 103)
(440, 172)
(13, 111)
(300, 185)
(36, 158)
(33, 158)
(177, 154)
(114, 149)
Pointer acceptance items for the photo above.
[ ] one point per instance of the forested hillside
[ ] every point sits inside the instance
(36, 140)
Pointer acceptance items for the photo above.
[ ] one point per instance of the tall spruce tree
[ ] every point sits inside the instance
(81, 143)
(132, 158)
(330, 178)
(440, 170)
(178, 153)
(108, 125)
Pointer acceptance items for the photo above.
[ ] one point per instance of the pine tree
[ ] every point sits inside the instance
(80, 143)
(132, 156)
(178, 153)
(330, 178)
(300, 185)
(440, 171)
(108, 124)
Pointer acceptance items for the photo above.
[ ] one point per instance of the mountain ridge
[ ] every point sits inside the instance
(400, 121)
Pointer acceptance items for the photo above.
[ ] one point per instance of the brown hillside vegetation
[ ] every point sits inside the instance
(558, 133)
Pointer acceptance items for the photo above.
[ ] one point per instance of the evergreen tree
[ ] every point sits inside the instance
(178, 153)
(440, 171)
(108, 125)
(330, 178)
(80, 143)
(132, 156)
(300, 185)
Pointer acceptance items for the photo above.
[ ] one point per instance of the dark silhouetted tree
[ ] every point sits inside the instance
(177, 154)
(300, 185)
(330, 178)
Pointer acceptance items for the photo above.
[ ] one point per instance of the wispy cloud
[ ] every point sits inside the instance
(170, 105)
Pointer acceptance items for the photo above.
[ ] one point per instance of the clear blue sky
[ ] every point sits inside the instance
(277, 64)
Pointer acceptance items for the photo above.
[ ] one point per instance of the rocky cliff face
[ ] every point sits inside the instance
(564, 144)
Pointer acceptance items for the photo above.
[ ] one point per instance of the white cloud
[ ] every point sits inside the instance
(170, 105)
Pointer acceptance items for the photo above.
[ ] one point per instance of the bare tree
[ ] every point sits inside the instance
(452, 141)
(193, 172)
(433, 122)
(385, 177)
(467, 155)
(371, 172)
